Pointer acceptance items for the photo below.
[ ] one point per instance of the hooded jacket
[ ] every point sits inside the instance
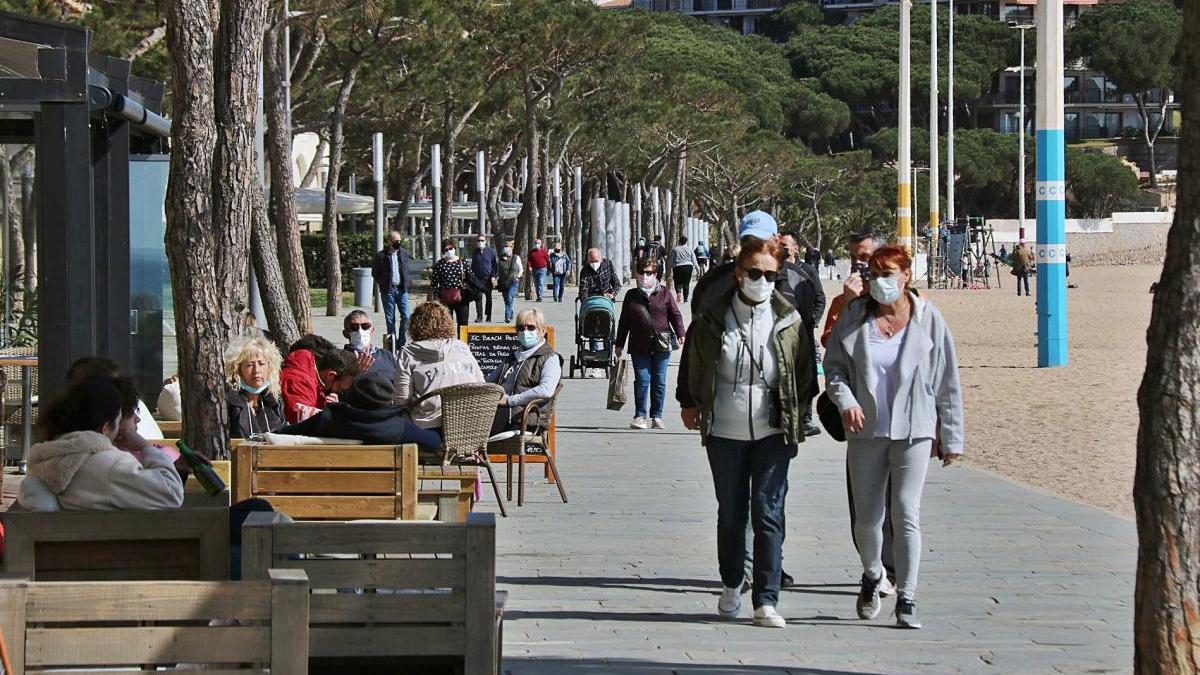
(384, 426)
(298, 384)
(84, 471)
(429, 365)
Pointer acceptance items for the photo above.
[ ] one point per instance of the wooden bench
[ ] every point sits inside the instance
(451, 488)
(183, 544)
(170, 429)
(331, 482)
(390, 591)
(87, 627)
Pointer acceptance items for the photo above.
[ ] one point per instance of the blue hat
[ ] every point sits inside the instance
(758, 224)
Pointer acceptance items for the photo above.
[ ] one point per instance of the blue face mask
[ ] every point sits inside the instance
(885, 290)
(528, 338)
(254, 390)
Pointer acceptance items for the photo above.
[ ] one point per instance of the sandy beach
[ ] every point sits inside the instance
(1071, 431)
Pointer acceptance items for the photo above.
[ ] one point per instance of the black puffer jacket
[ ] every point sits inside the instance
(243, 422)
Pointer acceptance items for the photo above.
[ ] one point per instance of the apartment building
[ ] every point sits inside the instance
(739, 15)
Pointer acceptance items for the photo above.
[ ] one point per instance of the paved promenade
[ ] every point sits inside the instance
(623, 579)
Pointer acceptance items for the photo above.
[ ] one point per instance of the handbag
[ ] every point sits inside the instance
(617, 397)
(831, 417)
(451, 297)
(663, 341)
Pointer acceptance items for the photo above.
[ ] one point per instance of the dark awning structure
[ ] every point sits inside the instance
(86, 114)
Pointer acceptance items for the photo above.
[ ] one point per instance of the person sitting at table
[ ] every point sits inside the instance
(366, 413)
(532, 372)
(88, 463)
(101, 366)
(432, 360)
(313, 374)
(252, 387)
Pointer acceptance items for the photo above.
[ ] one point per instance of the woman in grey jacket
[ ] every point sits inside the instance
(891, 369)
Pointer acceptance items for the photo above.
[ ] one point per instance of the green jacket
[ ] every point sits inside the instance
(794, 358)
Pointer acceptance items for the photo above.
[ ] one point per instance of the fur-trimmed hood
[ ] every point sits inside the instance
(56, 462)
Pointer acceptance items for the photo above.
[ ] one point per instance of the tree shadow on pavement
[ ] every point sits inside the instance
(540, 666)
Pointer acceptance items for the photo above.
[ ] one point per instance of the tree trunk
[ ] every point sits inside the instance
(449, 169)
(235, 173)
(1148, 136)
(14, 259)
(190, 240)
(271, 285)
(283, 191)
(546, 195)
(333, 258)
(1167, 596)
(528, 221)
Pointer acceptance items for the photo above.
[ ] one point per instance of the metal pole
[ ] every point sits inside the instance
(435, 180)
(378, 175)
(904, 163)
(934, 177)
(481, 189)
(1021, 150)
(578, 219)
(637, 208)
(1051, 188)
(950, 119)
(556, 182)
(8, 285)
(256, 306)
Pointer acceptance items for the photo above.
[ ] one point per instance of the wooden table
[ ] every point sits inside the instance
(27, 364)
(452, 488)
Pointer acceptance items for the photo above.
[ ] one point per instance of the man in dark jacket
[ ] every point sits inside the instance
(365, 413)
(485, 267)
(390, 271)
(357, 329)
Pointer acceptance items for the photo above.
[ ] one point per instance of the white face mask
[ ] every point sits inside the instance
(360, 339)
(595, 266)
(449, 253)
(536, 245)
(647, 282)
(528, 338)
(507, 250)
(482, 244)
(885, 290)
(757, 291)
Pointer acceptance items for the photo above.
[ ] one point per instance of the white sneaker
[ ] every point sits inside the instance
(639, 423)
(730, 604)
(657, 423)
(886, 588)
(767, 617)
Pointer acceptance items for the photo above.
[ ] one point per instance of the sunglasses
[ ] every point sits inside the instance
(360, 326)
(530, 326)
(755, 274)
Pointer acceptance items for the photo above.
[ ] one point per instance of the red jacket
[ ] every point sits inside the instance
(298, 383)
(538, 259)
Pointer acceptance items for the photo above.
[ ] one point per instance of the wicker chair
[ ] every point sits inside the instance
(467, 414)
(529, 441)
(12, 414)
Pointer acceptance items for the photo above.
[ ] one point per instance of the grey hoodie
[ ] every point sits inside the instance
(429, 365)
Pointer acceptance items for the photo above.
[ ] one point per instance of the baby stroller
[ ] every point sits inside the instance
(595, 332)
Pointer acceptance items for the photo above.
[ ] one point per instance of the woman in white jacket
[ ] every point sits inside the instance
(80, 467)
(433, 359)
(890, 368)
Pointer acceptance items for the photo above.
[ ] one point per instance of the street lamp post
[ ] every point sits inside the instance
(1021, 150)
(950, 116)
(904, 163)
(1051, 188)
(933, 131)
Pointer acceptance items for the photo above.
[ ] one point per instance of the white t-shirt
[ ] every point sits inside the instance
(885, 356)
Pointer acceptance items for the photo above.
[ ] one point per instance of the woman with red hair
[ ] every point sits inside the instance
(891, 369)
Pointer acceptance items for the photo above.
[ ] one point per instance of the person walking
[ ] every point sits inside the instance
(812, 256)
(651, 321)
(1020, 260)
(599, 277)
(892, 372)
(750, 373)
(448, 282)
(701, 253)
(509, 278)
(682, 261)
(390, 271)
(560, 266)
(485, 268)
(830, 263)
(538, 261)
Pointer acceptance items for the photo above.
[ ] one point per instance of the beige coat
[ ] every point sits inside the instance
(84, 471)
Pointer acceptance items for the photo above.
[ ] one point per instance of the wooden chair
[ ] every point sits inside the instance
(170, 429)
(175, 544)
(467, 414)
(331, 482)
(532, 439)
(390, 591)
(90, 627)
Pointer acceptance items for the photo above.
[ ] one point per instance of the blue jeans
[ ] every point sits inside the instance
(750, 480)
(510, 296)
(1023, 277)
(560, 285)
(392, 297)
(650, 369)
(539, 281)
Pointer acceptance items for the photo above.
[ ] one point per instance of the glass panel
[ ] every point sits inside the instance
(1071, 126)
(152, 309)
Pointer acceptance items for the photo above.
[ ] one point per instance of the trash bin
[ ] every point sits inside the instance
(364, 286)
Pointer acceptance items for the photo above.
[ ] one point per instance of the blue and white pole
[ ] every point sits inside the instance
(1051, 250)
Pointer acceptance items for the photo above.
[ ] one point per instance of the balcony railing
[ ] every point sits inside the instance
(709, 6)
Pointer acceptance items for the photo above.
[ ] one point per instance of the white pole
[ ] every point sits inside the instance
(558, 219)
(667, 213)
(934, 167)
(637, 208)
(377, 174)
(950, 119)
(578, 218)
(1051, 249)
(597, 238)
(904, 160)
(1021, 149)
(610, 231)
(481, 189)
(435, 180)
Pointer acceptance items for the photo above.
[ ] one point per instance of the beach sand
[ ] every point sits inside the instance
(1071, 431)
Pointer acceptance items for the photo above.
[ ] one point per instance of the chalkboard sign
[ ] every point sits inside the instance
(492, 345)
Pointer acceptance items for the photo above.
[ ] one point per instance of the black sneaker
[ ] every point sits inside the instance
(786, 580)
(906, 613)
(746, 585)
(811, 429)
(868, 598)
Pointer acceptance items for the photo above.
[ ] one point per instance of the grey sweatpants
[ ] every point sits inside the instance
(871, 462)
